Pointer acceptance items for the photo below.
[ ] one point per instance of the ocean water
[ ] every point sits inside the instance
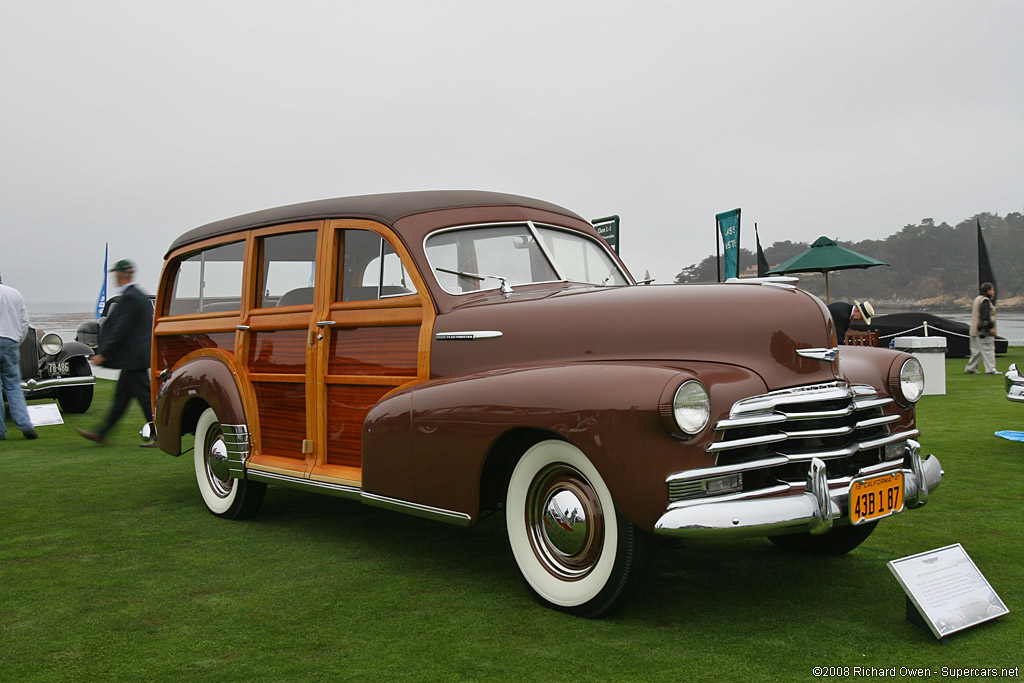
(64, 319)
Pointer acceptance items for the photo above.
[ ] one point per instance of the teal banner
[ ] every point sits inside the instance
(729, 227)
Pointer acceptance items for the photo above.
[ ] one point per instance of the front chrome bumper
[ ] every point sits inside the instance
(812, 509)
(39, 384)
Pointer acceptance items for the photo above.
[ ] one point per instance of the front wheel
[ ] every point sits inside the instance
(576, 552)
(76, 399)
(224, 495)
(839, 541)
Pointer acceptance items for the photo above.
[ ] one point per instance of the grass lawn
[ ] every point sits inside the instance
(112, 569)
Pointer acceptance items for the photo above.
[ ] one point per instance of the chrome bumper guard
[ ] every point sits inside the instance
(37, 384)
(813, 510)
(237, 446)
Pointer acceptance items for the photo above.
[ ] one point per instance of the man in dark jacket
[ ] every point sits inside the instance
(125, 344)
(844, 313)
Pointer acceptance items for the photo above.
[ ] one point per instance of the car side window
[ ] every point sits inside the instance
(287, 269)
(371, 269)
(210, 280)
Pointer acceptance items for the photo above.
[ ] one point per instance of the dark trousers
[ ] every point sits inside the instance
(131, 384)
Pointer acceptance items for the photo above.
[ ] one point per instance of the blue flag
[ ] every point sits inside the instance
(729, 226)
(102, 301)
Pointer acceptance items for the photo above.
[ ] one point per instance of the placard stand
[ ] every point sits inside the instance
(945, 591)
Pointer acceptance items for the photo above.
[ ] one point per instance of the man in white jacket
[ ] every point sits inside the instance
(983, 331)
(13, 326)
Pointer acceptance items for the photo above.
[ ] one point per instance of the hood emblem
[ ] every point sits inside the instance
(826, 355)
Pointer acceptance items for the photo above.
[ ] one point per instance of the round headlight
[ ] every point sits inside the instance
(911, 380)
(691, 406)
(51, 343)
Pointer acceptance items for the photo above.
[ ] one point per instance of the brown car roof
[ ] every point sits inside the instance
(386, 208)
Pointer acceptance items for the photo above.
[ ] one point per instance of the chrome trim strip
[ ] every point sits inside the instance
(468, 335)
(892, 438)
(866, 403)
(708, 472)
(819, 433)
(880, 468)
(340, 490)
(37, 384)
(877, 421)
(716, 446)
(819, 414)
(752, 421)
(416, 509)
(827, 455)
(826, 355)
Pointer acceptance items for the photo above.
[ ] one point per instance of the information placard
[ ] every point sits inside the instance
(43, 414)
(947, 589)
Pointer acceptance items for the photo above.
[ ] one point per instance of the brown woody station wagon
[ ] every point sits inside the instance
(450, 354)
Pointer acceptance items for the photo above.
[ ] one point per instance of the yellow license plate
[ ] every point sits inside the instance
(872, 498)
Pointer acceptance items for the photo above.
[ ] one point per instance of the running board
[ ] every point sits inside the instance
(356, 493)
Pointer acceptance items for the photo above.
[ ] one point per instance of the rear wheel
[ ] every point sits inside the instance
(576, 552)
(839, 541)
(76, 399)
(224, 495)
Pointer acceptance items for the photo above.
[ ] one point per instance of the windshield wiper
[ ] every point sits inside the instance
(505, 289)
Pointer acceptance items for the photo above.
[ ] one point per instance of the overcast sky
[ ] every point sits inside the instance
(132, 122)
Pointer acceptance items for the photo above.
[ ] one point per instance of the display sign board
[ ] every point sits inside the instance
(947, 589)
(43, 414)
(608, 228)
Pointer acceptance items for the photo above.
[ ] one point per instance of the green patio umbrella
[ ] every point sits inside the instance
(825, 256)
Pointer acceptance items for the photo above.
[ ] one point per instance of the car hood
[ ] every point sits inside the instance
(760, 327)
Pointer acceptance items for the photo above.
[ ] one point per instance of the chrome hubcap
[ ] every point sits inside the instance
(217, 464)
(565, 522)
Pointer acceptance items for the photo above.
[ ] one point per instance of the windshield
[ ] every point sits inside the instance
(478, 258)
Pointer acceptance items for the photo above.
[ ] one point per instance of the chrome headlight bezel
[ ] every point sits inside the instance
(689, 409)
(51, 344)
(907, 384)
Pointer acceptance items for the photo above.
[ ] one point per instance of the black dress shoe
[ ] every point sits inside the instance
(92, 436)
(30, 434)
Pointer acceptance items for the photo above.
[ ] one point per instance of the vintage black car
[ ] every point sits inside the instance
(88, 333)
(53, 368)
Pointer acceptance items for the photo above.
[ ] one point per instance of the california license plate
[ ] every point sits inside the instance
(873, 498)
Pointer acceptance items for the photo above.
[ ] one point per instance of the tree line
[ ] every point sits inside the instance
(929, 263)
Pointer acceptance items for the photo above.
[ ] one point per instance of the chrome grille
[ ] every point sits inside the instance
(771, 439)
(834, 421)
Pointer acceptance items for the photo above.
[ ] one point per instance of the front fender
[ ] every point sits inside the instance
(435, 438)
(192, 386)
(72, 349)
(874, 366)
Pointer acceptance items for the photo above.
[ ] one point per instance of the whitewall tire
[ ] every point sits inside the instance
(575, 551)
(224, 495)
